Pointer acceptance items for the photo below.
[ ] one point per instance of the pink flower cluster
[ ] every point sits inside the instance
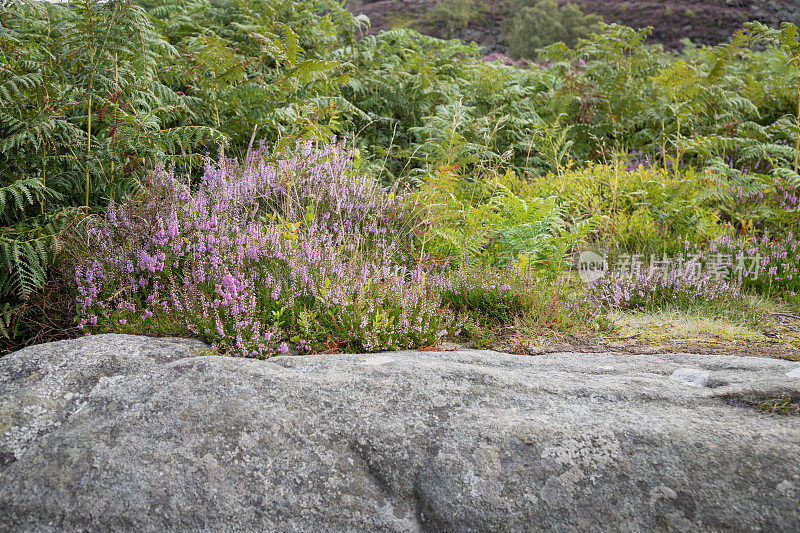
(662, 288)
(262, 253)
(778, 261)
(759, 264)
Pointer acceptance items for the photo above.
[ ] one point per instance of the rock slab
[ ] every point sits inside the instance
(116, 432)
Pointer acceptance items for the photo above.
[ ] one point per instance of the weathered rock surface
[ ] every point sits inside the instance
(134, 434)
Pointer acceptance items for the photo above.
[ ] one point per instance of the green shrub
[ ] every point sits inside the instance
(485, 223)
(515, 294)
(454, 14)
(644, 210)
(534, 24)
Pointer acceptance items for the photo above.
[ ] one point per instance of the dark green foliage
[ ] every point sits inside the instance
(610, 94)
(492, 297)
(422, 98)
(82, 113)
(262, 64)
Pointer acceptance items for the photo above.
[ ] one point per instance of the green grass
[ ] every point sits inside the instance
(779, 406)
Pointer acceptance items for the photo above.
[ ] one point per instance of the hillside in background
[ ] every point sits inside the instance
(702, 21)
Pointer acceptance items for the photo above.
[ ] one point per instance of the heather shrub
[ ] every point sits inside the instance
(260, 254)
(651, 290)
(770, 266)
(673, 290)
(717, 277)
(490, 293)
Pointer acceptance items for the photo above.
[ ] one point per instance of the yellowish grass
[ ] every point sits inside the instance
(662, 326)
